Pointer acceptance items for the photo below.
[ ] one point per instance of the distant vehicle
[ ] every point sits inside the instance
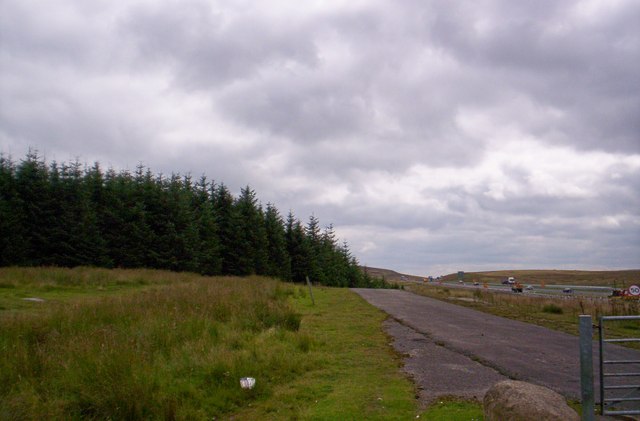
(476, 283)
(567, 291)
(509, 281)
(461, 281)
(529, 288)
(625, 294)
(516, 288)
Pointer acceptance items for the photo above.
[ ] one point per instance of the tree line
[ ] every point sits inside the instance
(69, 214)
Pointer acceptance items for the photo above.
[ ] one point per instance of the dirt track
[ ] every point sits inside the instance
(458, 351)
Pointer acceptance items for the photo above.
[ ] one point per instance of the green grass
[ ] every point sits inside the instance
(453, 410)
(138, 344)
(357, 375)
(172, 352)
(55, 285)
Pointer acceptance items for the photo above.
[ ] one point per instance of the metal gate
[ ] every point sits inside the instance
(619, 378)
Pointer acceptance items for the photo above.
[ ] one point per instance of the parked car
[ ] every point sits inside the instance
(529, 288)
(567, 291)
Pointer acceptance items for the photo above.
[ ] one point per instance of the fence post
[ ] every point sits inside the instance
(586, 367)
(313, 301)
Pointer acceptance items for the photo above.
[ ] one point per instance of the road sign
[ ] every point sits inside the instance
(634, 290)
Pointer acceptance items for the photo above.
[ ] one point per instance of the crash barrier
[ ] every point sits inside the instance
(613, 372)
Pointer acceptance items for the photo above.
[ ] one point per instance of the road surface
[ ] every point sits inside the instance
(537, 290)
(469, 350)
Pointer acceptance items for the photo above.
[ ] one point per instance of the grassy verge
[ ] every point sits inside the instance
(559, 313)
(160, 345)
(55, 285)
(356, 374)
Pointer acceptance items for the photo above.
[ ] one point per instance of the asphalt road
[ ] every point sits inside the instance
(447, 336)
(549, 290)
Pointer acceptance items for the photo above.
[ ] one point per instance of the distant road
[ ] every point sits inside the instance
(515, 349)
(548, 290)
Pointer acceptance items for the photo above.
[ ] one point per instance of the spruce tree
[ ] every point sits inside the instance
(298, 248)
(207, 254)
(93, 186)
(37, 214)
(278, 260)
(252, 237)
(314, 243)
(125, 226)
(226, 221)
(13, 249)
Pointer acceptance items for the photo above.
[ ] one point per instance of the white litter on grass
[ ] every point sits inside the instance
(34, 299)
(247, 382)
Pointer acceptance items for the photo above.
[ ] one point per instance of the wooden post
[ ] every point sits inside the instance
(311, 291)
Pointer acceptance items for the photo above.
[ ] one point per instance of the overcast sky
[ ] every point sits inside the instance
(435, 135)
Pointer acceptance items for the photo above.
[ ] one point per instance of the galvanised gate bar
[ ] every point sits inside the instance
(619, 379)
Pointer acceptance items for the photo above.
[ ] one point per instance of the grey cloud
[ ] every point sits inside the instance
(298, 110)
(585, 69)
(206, 48)
(341, 96)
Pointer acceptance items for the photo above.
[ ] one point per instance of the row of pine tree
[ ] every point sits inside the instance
(71, 215)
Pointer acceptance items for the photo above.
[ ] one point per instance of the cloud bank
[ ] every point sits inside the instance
(436, 136)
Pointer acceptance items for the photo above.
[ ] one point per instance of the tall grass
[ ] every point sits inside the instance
(171, 352)
(55, 277)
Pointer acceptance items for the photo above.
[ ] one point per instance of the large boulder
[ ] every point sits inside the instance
(512, 400)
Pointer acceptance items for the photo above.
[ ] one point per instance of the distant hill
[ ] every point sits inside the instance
(618, 278)
(390, 275)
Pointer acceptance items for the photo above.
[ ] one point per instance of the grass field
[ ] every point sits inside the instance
(144, 344)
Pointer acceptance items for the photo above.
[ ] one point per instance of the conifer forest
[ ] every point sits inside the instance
(71, 214)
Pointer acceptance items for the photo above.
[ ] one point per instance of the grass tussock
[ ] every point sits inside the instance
(552, 309)
(176, 351)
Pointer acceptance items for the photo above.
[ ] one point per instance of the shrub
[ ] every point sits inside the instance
(552, 309)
